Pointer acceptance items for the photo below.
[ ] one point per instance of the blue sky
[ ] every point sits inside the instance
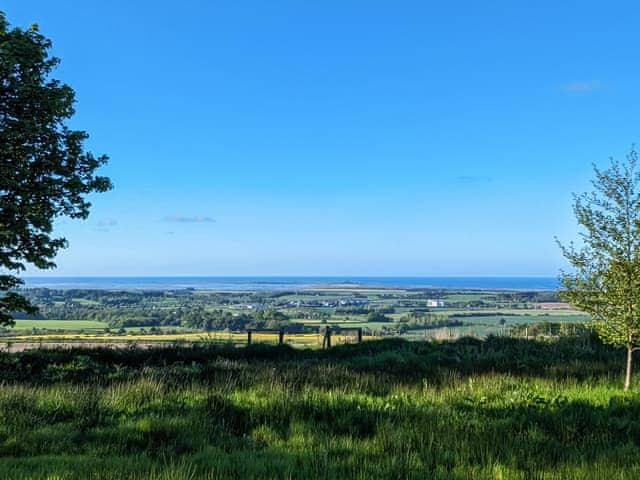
(340, 137)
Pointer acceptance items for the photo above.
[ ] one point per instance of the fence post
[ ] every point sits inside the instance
(281, 336)
(248, 337)
(327, 334)
(360, 335)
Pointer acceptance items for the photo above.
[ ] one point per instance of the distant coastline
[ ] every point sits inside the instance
(279, 283)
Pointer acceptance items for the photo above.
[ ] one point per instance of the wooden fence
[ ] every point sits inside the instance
(327, 333)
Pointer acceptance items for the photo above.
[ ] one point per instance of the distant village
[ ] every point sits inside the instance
(313, 303)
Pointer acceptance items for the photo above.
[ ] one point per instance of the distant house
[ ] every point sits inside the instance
(258, 307)
(552, 306)
(435, 303)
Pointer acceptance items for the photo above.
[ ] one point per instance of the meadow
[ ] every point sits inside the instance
(496, 408)
(75, 325)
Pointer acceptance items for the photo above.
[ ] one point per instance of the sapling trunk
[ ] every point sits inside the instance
(627, 377)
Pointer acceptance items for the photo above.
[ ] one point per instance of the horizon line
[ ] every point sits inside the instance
(294, 276)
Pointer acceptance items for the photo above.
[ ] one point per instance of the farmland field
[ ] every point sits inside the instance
(218, 316)
(310, 340)
(59, 325)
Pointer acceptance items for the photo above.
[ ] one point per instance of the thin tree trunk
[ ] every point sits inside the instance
(627, 377)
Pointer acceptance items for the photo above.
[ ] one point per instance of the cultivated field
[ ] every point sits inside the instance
(68, 340)
(123, 318)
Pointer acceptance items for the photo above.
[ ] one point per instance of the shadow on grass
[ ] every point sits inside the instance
(390, 360)
(341, 437)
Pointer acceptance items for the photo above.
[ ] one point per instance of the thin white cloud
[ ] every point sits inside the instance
(581, 86)
(186, 219)
(107, 222)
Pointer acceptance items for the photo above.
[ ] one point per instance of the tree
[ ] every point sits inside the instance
(605, 281)
(45, 171)
(378, 316)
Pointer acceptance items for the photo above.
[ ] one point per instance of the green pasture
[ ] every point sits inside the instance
(85, 301)
(59, 325)
(467, 297)
(518, 319)
(513, 410)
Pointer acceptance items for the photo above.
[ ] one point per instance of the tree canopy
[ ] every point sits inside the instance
(605, 281)
(45, 171)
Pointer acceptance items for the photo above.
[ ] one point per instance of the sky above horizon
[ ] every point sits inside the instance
(339, 138)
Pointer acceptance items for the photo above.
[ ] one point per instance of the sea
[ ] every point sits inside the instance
(285, 283)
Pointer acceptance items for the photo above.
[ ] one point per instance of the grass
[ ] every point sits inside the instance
(86, 301)
(499, 409)
(468, 297)
(512, 319)
(59, 325)
(516, 312)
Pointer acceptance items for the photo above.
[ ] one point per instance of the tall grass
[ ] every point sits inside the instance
(382, 410)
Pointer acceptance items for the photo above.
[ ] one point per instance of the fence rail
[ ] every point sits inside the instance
(327, 333)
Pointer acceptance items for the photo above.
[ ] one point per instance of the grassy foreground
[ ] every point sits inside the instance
(498, 409)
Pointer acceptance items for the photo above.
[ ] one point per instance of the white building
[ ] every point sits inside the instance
(435, 303)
